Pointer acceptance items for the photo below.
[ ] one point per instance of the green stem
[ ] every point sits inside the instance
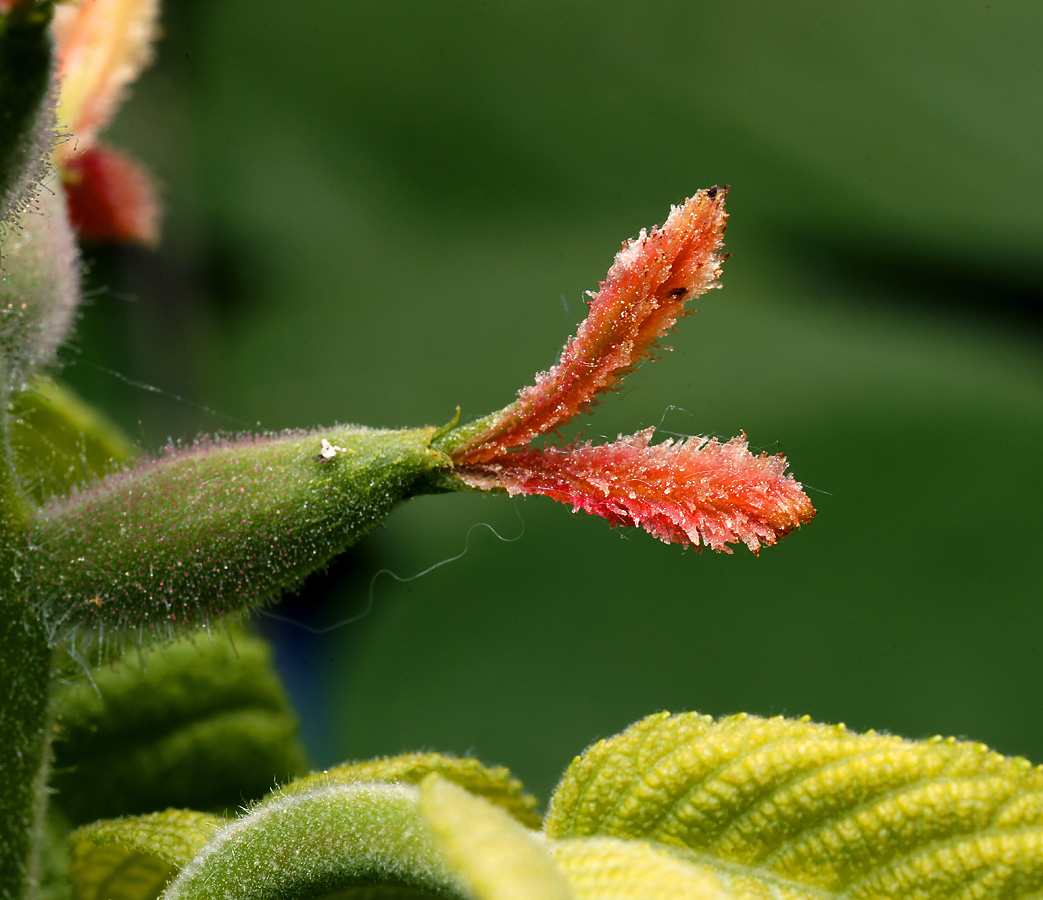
(25, 676)
(24, 687)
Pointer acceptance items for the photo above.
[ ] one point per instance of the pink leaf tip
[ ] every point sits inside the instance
(696, 491)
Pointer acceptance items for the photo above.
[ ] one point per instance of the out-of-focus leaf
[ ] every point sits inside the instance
(60, 441)
(492, 854)
(202, 724)
(135, 858)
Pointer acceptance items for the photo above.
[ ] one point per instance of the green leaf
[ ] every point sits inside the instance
(60, 441)
(495, 856)
(134, 859)
(202, 724)
(216, 528)
(496, 785)
(312, 844)
(814, 810)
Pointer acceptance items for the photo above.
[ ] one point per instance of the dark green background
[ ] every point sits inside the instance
(378, 211)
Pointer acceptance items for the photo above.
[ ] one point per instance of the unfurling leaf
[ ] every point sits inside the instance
(496, 785)
(102, 48)
(491, 853)
(318, 842)
(111, 197)
(696, 492)
(644, 294)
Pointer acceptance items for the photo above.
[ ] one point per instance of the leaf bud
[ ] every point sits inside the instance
(217, 528)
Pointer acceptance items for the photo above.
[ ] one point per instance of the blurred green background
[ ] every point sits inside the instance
(377, 211)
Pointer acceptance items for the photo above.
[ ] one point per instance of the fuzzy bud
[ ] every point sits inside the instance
(217, 528)
(39, 284)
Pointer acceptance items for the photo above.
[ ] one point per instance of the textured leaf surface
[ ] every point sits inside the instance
(496, 784)
(202, 724)
(815, 810)
(495, 857)
(134, 859)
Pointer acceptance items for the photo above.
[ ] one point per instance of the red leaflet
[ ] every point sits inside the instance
(111, 198)
(639, 301)
(693, 492)
(696, 491)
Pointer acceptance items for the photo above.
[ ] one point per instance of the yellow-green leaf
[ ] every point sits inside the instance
(611, 869)
(60, 441)
(135, 858)
(495, 784)
(815, 810)
(494, 856)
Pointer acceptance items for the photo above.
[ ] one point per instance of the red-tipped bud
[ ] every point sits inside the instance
(696, 491)
(111, 197)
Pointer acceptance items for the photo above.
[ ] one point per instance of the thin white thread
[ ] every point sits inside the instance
(399, 578)
(152, 389)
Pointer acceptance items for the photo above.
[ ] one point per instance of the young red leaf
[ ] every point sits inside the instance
(644, 294)
(691, 492)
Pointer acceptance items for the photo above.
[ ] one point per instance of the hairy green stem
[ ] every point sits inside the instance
(25, 676)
